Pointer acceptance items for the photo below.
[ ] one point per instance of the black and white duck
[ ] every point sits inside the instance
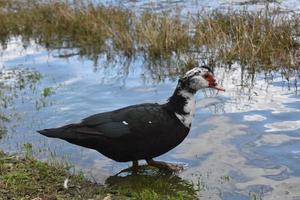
(142, 131)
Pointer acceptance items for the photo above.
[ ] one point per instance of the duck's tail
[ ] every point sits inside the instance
(62, 132)
(70, 134)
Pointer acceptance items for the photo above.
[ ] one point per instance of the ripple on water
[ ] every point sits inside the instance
(274, 139)
(254, 117)
(283, 126)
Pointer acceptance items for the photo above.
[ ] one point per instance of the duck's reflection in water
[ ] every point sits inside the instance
(149, 182)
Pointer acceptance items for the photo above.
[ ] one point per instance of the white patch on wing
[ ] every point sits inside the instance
(150, 122)
(189, 108)
(124, 122)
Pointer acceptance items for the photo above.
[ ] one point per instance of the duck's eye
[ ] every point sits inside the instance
(206, 76)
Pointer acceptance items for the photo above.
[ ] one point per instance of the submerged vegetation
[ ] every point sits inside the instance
(14, 80)
(258, 40)
(14, 83)
(152, 184)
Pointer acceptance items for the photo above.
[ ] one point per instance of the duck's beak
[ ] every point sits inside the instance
(219, 88)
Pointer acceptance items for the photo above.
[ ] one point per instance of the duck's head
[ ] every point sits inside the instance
(198, 78)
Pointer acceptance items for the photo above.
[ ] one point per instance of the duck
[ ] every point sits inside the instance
(142, 131)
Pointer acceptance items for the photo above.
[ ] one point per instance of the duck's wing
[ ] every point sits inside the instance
(102, 124)
(134, 120)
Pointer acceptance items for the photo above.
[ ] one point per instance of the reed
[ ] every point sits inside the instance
(262, 40)
(161, 35)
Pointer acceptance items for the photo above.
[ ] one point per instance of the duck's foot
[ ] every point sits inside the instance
(134, 168)
(165, 166)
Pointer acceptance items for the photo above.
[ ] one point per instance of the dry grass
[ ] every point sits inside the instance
(255, 39)
(260, 40)
(162, 35)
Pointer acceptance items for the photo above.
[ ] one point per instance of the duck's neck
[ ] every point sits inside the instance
(183, 104)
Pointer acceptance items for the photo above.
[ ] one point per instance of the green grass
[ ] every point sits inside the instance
(27, 178)
(263, 40)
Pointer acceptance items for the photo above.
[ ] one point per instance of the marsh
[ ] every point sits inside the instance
(243, 144)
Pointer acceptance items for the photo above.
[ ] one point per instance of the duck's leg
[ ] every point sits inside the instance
(133, 168)
(164, 165)
(135, 165)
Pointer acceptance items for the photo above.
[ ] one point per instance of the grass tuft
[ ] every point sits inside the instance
(27, 178)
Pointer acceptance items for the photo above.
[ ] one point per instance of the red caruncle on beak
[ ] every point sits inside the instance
(212, 83)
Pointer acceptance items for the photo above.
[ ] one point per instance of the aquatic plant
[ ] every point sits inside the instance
(13, 82)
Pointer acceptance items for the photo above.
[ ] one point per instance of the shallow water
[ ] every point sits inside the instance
(194, 6)
(243, 142)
